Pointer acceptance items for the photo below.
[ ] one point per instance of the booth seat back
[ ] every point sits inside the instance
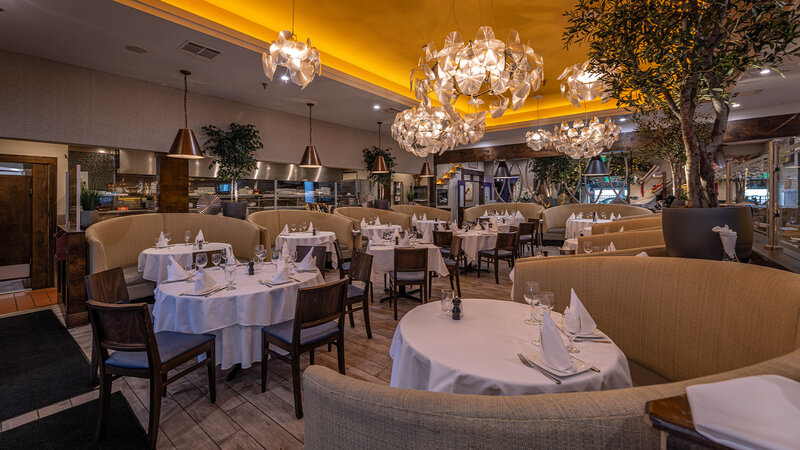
(117, 242)
(624, 240)
(243, 236)
(529, 210)
(556, 217)
(652, 251)
(272, 222)
(419, 210)
(681, 318)
(635, 223)
(356, 213)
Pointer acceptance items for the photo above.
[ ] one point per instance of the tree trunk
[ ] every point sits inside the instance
(694, 157)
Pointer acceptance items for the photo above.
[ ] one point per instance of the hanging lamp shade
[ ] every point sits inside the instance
(596, 167)
(426, 171)
(502, 170)
(379, 166)
(185, 144)
(310, 157)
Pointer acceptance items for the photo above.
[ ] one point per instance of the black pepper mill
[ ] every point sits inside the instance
(397, 240)
(250, 268)
(456, 308)
(313, 231)
(199, 245)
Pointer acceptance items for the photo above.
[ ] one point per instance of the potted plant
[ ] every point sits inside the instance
(675, 56)
(90, 200)
(234, 153)
(410, 195)
(383, 180)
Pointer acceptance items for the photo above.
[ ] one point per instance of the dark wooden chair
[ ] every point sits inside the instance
(107, 286)
(527, 236)
(320, 252)
(505, 249)
(442, 240)
(139, 352)
(453, 263)
(410, 269)
(318, 320)
(344, 266)
(361, 271)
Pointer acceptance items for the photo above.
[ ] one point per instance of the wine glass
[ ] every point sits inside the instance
(186, 236)
(216, 258)
(570, 332)
(168, 237)
(201, 259)
(546, 302)
(230, 271)
(531, 297)
(294, 228)
(587, 247)
(191, 270)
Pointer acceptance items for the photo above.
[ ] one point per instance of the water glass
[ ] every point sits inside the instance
(570, 332)
(531, 297)
(447, 300)
(216, 258)
(230, 272)
(168, 237)
(546, 303)
(587, 247)
(201, 259)
(186, 236)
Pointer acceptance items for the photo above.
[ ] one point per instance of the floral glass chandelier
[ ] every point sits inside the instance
(300, 59)
(539, 139)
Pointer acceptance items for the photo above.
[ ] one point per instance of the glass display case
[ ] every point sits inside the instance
(421, 195)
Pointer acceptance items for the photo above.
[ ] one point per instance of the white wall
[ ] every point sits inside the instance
(58, 151)
(43, 100)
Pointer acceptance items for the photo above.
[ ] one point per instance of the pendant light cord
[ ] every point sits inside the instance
(185, 111)
(310, 105)
(379, 135)
(293, 17)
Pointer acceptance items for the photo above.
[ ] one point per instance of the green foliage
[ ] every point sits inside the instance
(90, 197)
(555, 169)
(370, 154)
(234, 150)
(410, 194)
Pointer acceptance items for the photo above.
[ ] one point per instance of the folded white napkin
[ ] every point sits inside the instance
(643, 254)
(404, 241)
(162, 241)
(424, 216)
(611, 247)
(572, 216)
(175, 271)
(363, 223)
(751, 412)
(482, 226)
(414, 217)
(554, 353)
(493, 221)
(284, 231)
(203, 282)
(728, 238)
(579, 318)
(285, 251)
(377, 221)
(310, 226)
(427, 236)
(454, 227)
(199, 237)
(282, 274)
(309, 262)
(621, 229)
(519, 215)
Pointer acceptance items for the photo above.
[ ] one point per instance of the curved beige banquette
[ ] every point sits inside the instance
(529, 210)
(625, 239)
(117, 242)
(691, 321)
(272, 223)
(554, 220)
(648, 221)
(419, 210)
(356, 213)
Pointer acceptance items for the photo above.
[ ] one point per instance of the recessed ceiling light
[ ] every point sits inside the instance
(622, 119)
(735, 105)
(285, 77)
(135, 49)
(376, 106)
(765, 71)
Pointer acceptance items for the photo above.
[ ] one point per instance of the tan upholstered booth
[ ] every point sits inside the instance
(272, 222)
(117, 242)
(690, 321)
(356, 213)
(419, 210)
(529, 210)
(654, 251)
(624, 240)
(554, 220)
(647, 222)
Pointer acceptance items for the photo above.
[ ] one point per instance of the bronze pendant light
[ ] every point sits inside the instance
(379, 166)
(185, 144)
(310, 157)
(426, 171)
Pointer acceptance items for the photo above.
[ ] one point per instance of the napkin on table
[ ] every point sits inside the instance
(203, 282)
(175, 271)
(285, 231)
(493, 221)
(282, 274)
(454, 227)
(643, 254)
(728, 238)
(424, 216)
(554, 353)
(310, 226)
(621, 229)
(162, 241)
(519, 215)
(199, 237)
(378, 221)
(309, 262)
(404, 241)
(611, 247)
(579, 318)
(414, 217)
(427, 237)
(363, 223)
(572, 216)
(285, 250)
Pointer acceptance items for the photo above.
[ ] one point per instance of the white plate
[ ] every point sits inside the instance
(536, 358)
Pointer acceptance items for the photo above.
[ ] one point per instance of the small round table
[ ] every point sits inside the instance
(326, 238)
(478, 354)
(375, 232)
(577, 226)
(153, 262)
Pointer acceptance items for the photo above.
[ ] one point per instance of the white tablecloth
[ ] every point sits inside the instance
(571, 244)
(383, 259)
(372, 232)
(576, 226)
(424, 225)
(325, 238)
(478, 354)
(153, 262)
(236, 316)
(475, 241)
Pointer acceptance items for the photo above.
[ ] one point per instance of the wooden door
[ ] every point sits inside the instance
(15, 225)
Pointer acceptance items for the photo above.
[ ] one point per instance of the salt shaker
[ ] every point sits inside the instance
(456, 308)
(250, 268)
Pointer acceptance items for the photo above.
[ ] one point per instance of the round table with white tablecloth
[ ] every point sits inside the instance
(478, 354)
(424, 225)
(474, 241)
(577, 226)
(324, 238)
(236, 316)
(153, 262)
(375, 232)
(383, 259)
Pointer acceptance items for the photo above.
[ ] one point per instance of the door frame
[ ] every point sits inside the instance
(43, 217)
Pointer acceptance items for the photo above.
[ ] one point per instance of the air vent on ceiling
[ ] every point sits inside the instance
(198, 50)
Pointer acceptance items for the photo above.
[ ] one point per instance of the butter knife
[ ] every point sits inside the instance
(534, 366)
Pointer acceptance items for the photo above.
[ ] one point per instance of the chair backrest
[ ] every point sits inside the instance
(125, 328)
(361, 267)
(319, 252)
(107, 286)
(528, 228)
(442, 238)
(455, 247)
(506, 241)
(410, 260)
(319, 304)
(338, 248)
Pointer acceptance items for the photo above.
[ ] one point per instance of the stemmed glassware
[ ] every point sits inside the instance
(201, 260)
(546, 302)
(587, 246)
(259, 255)
(216, 258)
(571, 333)
(168, 237)
(186, 236)
(531, 296)
(230, 271)
(294, 228)
(191, 270)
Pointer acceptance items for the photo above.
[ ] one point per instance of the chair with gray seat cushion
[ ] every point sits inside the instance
(360, 271)
(442, 240)
(410, 269)
(344, 266)
(505, 249)
(139, 352)
(318, 320)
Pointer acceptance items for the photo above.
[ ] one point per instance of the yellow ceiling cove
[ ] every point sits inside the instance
(374, 44)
